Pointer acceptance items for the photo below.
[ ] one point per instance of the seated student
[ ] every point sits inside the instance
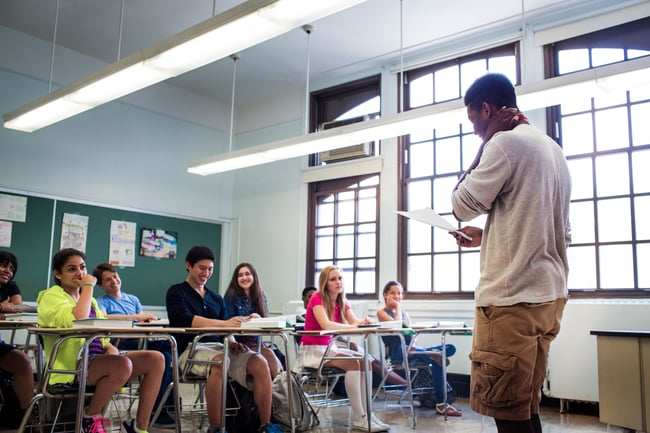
(392, 311)
(191, 304)
(307, 293)
(329, 309)
(9, 291)
(245, 297)
(71, 299)
(14, 361)
(116, 304)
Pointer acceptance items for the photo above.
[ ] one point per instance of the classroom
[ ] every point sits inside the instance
(127, 159)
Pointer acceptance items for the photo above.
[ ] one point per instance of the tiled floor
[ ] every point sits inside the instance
(336, 420)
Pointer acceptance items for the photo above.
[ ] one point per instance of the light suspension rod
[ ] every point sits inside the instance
(232, 31)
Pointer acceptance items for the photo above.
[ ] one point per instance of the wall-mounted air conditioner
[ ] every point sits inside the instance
(360, 150)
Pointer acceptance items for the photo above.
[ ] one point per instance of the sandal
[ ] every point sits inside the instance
(451, 411)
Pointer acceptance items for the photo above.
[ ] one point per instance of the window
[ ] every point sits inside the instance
(607, 143)
(343, 219)
(432, 162)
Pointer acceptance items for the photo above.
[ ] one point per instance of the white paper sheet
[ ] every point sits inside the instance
(428, 216)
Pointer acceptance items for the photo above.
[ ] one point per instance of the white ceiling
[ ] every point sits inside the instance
(358, 39)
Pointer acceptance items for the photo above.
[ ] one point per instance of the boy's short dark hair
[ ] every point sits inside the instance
(100, 269)
(198, 253)
(7, 258)
(495, 89)
(308, 289)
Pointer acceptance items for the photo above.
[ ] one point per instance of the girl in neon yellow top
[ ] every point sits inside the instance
(72, 299)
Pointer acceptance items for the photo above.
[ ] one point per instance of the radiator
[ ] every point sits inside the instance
(573, 361)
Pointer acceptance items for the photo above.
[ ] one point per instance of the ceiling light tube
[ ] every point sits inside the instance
(625, 75)
(238, 28)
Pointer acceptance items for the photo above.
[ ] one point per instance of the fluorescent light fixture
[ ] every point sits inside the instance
(238, 28)
(619, 76)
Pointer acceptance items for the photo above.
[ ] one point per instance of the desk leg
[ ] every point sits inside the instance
(176, 379)
(368, 389)
(224, 383)
(407, 373)
(289, 377)
(83, 378)
(443, 341)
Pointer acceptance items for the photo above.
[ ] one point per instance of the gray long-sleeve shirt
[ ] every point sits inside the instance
(523, 184)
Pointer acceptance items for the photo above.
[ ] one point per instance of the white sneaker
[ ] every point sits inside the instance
(379, 423)
(361, 423)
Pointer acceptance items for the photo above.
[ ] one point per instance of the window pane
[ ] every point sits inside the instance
(607, 185)
(421, 134)
(470, 270)
(470, 71)
(345, 211)
(421, 159)
(445, 273)
(446, 82)
(573, 60)
(609, 99)
(612, 129)
(447, 155)
(325, 212)
(442, 188)
(443, 241)
(505, 65)
(324, 244)
(640, 94)
(365, 277)
(604, 56)
(345, 241)
(471, 144)
(582, 184)
(370, 181)
(367, 209)
(366, 244)
(419, 273)
(640, 128)
(577, 134)
(419, 237)
(641, 218)
(643, 256)
(640, 164)
(421, 91)
(582, 268)
(614, 223)
(419, 194)
(616, 267)
(583, 229)
(575, 105)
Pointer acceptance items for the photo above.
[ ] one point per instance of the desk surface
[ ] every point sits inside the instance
(92, 330)
(619, 333)
(13, 324)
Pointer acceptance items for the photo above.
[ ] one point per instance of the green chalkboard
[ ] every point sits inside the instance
(148, 279)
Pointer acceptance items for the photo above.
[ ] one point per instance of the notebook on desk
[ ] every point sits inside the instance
(265, 322)
(102, 323)
(438, 324)
(21, 317)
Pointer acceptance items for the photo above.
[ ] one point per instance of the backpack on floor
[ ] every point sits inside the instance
(10, 413)
(304, 415)
(247, 418)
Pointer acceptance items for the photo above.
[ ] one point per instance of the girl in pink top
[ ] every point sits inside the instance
(329, 309)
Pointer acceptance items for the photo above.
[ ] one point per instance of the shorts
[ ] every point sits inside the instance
(509, 357)
(205, 353)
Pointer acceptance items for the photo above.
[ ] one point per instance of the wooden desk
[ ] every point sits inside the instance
(92, 333)
(256, 332)
(624, 378)
(15, 325)
(366, 333)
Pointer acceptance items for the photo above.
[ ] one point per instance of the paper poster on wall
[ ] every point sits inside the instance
(5, 234)
(13, 208)
(122, 244)
(74, 231)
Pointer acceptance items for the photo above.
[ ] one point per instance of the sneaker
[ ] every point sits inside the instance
(128, 427)
(271, 428)
(165, 420)
(451, 411)
(94, 424)
(361, 423)
(379, 423)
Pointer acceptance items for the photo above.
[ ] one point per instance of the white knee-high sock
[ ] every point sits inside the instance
(353, 388)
